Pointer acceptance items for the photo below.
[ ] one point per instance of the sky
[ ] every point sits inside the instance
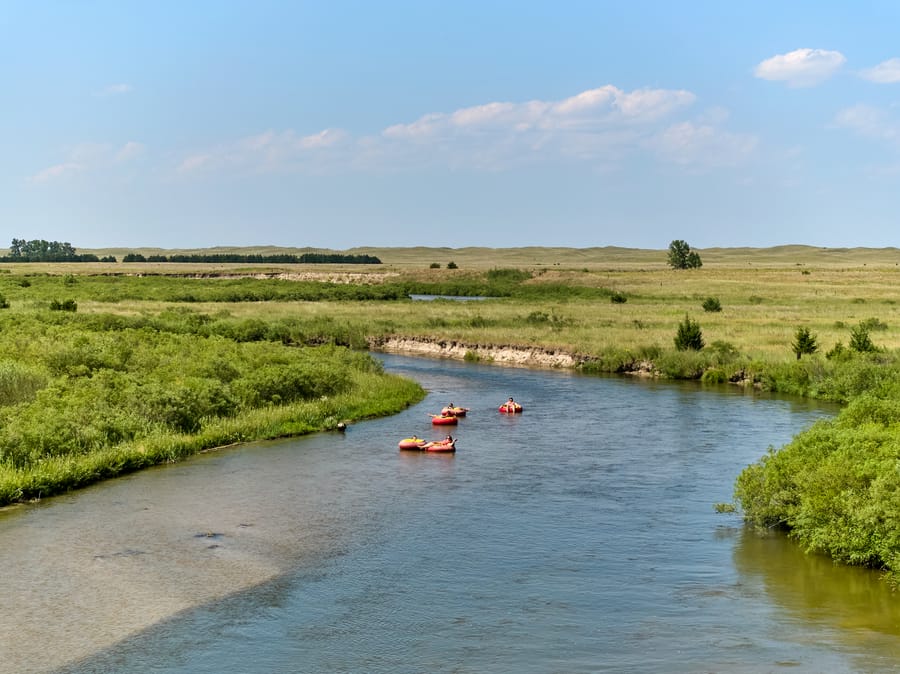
(338, 124)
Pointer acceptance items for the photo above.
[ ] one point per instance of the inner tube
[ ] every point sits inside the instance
(442, 446)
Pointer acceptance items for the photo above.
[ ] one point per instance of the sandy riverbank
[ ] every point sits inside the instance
(490, 353)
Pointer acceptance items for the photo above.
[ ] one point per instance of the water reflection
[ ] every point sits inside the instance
(851, 602)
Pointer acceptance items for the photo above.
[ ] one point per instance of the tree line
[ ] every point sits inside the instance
(39, 250)
(279, 258)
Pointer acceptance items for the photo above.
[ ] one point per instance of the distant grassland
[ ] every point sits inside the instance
(765, 295)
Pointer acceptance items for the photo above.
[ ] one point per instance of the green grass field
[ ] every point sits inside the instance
(765, 294)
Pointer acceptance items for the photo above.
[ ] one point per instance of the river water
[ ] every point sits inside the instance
(579, 536)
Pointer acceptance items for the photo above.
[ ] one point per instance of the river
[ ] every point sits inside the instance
(579, 536)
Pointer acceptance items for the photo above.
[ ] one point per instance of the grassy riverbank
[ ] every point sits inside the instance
(82, 400)
(617, 310)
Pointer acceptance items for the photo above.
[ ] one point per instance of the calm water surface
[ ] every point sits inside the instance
(579, 536)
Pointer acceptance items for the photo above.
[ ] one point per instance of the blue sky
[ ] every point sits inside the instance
(340, 124)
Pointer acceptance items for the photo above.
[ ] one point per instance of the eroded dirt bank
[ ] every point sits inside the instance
(491, 353)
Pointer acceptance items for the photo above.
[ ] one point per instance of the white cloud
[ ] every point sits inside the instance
(703, 145)
(115, 90)
(595, 108)
(886, 72)
(266, 152)
(55, 172)
(869, 122)
(801, 67)
(85, 157)
(131, 150)
(600, 126)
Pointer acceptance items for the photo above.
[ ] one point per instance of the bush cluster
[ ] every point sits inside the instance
(75, 387)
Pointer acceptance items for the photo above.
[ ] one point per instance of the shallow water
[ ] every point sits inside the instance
(579, 536)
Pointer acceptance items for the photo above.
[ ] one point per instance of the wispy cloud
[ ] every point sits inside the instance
(801, 67)
(131, 150)
(85, 157)
(265, 152)
(600, 126)
(115, 90)
(703, 145)
(55, 172)
(886, 72)
(590, 110)
(870, 122)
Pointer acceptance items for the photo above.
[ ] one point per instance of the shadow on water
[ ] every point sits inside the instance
(180, 636)
(853, 603)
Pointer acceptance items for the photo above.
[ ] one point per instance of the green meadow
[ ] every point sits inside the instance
(106, 368)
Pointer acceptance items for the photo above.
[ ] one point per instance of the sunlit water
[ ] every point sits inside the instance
(579, 536)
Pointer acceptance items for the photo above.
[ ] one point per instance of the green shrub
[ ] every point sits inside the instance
(537, 318)
(839, 352)
(714, 375)
(835, 487)
(712, 304)
(723, 351)
(508, 275)
(618, 298)
(689, 364)
(873, 324)
(689, 335)
(65, 305)
(804, 342)
(860, 340)
(19, 382)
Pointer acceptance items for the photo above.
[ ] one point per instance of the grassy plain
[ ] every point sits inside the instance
(765, 295)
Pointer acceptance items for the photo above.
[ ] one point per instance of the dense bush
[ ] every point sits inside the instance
(69, 391)
(860, 340)
(836, 487)
(712, 304)
(65, 305)
(689, 336)
(508, 275)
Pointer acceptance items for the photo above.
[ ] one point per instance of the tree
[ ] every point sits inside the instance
(689, 335)
(860, 340)
(682, 257)
(804, 342)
